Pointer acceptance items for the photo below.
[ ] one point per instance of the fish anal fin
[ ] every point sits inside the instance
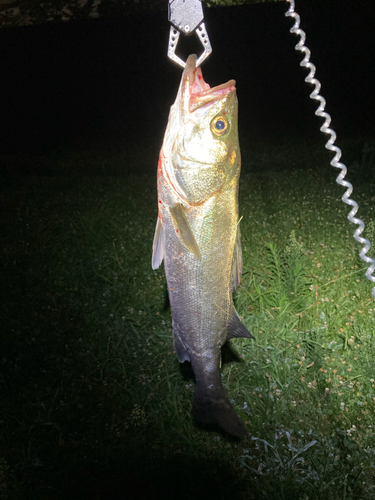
(183, 229)
(158, 245)
(236, 328)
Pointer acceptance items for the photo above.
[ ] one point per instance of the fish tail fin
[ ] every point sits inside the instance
(217, 412)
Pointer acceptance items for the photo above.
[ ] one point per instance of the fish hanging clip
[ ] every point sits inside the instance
(186, 16)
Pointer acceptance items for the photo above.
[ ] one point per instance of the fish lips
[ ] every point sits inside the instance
(199, 92)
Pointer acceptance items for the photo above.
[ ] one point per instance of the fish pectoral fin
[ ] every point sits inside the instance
(183, 230)
(237, 328)
(237, 260)
(158, 245)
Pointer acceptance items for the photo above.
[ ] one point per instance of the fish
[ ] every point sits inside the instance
(198, 236)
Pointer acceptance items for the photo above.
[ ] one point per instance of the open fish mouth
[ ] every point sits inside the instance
(200, 93)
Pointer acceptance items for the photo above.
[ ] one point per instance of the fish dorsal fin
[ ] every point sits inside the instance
(237, 260)
(183, 229)
(158, 245)
(237, 328)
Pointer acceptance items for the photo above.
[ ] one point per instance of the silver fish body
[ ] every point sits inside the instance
(197, 235)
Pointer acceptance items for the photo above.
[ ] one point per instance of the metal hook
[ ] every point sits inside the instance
(186, 16)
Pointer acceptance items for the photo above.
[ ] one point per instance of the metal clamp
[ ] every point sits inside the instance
(186, 16)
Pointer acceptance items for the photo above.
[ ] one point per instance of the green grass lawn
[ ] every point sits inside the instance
(94, 404)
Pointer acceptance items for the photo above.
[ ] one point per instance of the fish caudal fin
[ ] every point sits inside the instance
(220, 413)
(237, 328)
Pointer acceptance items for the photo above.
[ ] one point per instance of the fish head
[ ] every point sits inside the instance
(202, 135)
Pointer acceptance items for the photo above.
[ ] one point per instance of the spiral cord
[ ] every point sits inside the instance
(330, 145)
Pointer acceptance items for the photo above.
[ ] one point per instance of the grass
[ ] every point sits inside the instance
(94, 403)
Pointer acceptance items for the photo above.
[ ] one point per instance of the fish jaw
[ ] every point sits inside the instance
(196, 92)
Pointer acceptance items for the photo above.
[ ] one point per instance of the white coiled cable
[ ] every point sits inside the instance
(330, 144)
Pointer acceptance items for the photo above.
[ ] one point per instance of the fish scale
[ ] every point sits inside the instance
(197, 235)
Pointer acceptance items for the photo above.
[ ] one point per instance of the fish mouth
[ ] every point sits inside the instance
(200, 93)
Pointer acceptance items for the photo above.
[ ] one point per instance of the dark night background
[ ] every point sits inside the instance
(98, 82)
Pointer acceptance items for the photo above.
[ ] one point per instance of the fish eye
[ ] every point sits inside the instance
(219, 125)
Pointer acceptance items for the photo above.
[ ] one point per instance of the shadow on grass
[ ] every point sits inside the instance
(177, 477)
(62, 442)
